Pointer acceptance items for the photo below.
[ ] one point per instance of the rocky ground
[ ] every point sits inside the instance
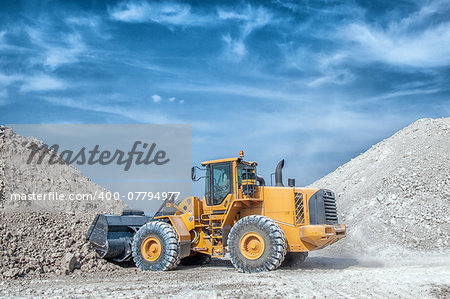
(319, 277)
(395, 199)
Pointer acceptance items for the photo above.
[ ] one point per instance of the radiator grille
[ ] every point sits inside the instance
(299, 208)
(322, 208)
(329, 203)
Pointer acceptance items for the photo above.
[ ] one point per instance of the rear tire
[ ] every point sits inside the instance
(196, 259)
(156, 247)
(294, 259)
(256, 243)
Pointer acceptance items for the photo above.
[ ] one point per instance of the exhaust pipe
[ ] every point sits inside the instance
(279, 174)
(291, 182)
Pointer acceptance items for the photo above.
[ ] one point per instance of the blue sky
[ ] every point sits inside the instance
(315, 82)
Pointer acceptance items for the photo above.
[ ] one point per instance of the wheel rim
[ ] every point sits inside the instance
(252, 245)
(151, 249)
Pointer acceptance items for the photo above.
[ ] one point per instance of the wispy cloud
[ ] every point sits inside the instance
(92, 21)
(51, 43)
(405, 42)
(88, 23)
(179, 14)
(127, 112)
(5, 80)
(242, 90)
(318, 9)
(172, 99)
(420, 49)
(40, 44)
(56, 52)
(32, 83)
(42, 83)
(248, 19)
(403, 93)
(332, 69)
(235, 48)
(397, 41)
(156, 98)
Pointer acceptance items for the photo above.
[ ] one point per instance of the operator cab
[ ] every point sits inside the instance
(228, 178)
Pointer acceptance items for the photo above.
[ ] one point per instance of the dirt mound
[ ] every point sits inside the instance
(395, 197)
(19, 177)
(38, 243)
(40, 237)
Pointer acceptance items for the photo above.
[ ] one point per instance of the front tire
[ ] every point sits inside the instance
(256, 243)
(156, 247)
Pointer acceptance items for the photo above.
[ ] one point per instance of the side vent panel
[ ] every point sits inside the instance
(299, 209)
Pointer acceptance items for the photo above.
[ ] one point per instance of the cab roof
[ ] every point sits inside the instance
(238, 159)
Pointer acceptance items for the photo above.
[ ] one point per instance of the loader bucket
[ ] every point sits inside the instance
(112, 235)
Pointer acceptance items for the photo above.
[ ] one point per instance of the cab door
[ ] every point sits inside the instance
(218, 186)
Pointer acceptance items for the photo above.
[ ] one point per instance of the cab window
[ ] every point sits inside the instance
(208, 185)
(221, 175)
(241, 169)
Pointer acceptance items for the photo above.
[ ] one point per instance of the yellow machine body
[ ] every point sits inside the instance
(307, 216)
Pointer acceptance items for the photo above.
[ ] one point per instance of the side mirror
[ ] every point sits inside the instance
(193, 173)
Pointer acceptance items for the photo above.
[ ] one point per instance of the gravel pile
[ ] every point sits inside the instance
(45, 237)
(38, 244)
(18, 177)
(395, 197)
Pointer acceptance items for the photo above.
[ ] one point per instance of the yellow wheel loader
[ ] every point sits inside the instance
(261, 227)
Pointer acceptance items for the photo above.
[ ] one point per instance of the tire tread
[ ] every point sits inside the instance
(277, 241)
(171, 253)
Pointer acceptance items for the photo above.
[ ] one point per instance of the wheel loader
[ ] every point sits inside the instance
(261, 227)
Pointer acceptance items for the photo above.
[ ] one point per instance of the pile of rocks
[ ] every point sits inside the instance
(395, 197)
(19, 177)
(38, 237)
(36, 243)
